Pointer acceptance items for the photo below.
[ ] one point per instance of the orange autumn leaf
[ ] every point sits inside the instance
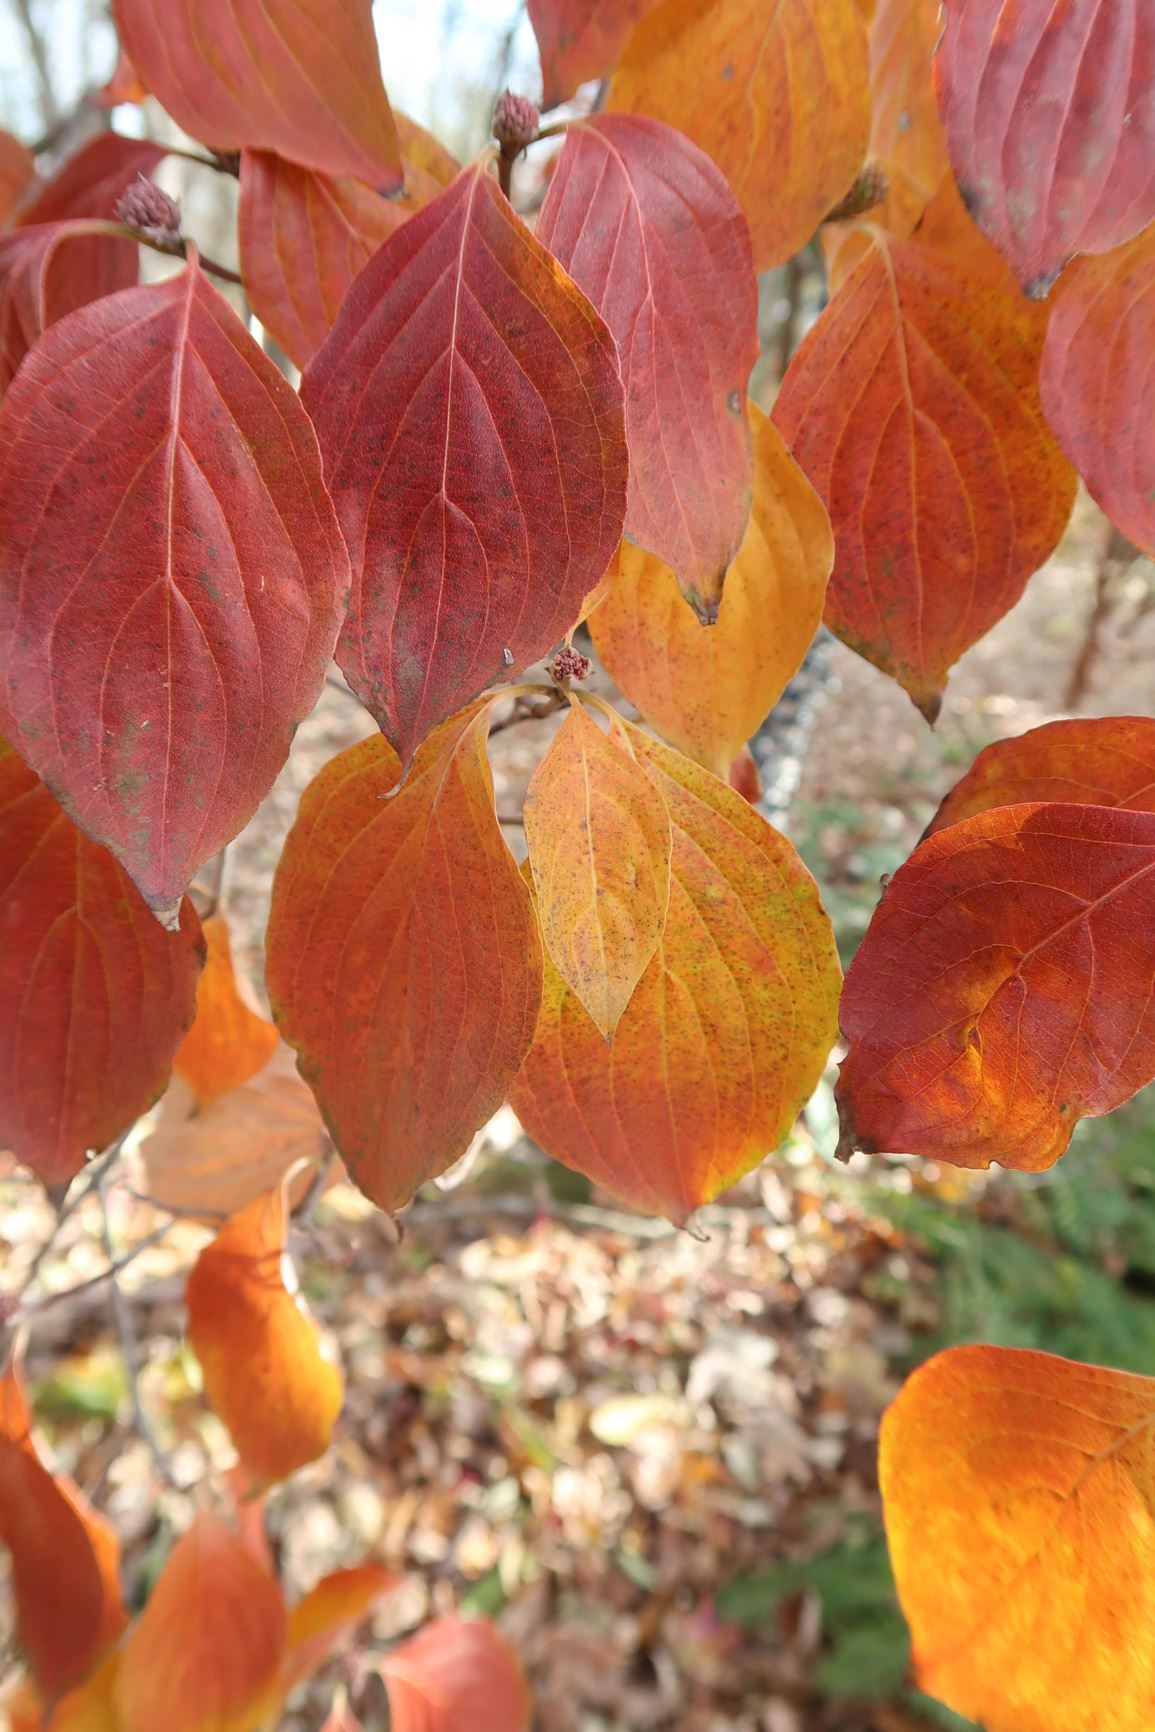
(1093, 761)
(999, 995)
(912, 404)
(205, 1655)
(327, 1615)
(403, 958)
(1019, 1496)
(580, 40)
(265, 1373)
(727, 1032)
(778, 95)
(598, 835)
(456, 1673)
(213, 1161)
(65, 1558)
(228, 1042)
(707, 688)
(1096, 380)
(88, 1708)
(304, 236)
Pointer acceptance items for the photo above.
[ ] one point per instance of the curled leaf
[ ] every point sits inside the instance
(727, 1032)
(706, 689)
(999, 996)
(403, 959)
(50, 270)
(579, 40)
(599, 846)
(265, 1373)
(228, 1042)
(327, 1615)
(1020, 1514)
(90, 181)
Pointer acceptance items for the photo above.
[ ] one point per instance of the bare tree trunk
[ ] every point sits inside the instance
(38, 52)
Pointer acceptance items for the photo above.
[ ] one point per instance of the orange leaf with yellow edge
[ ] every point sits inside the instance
(88, 1708)
(206, 1653)
(403, 957)
(228, 1042)
(598, 835)
(1000, 995)
(65, 1558)
(1097, 380)
(327, 1615)
(265, 1373)
(304, 236)
(706, 689)
(456, 1673)
(1092, 761)
(212, 1161)
(778, 95)
(913, 406)
(727, 1032)
(1019, 1495)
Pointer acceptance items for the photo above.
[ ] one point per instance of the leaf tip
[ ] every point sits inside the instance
(168, 913)
(929, 706)
(706, 606)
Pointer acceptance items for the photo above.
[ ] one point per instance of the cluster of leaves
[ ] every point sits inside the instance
(498, 432)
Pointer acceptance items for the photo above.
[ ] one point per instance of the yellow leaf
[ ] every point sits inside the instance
(707, 688)
(778, 95)
(599, 845)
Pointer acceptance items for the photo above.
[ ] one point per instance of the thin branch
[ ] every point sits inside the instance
(531, 708)
(130, 1352)
(38, 51)
(50, 1300)
(92, 1178)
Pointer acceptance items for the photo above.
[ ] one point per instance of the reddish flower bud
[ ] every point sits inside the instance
(152, 213)
(515, 122)
(569, 666)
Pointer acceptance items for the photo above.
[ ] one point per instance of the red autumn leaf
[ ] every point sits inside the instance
(266, 1375)
(304, 236)
(403, 959)
(158, 649)
(94, 994)
(580, 40)
(205, 1655)
(228, 1042)
(64, 1559)
(91, 181)
(1094, 761)
(328, 1615)
(50, 270)
(1096, 380)
(727, 1032)
(455, 1673)
(17, 173)
(778, 95)
(999, 995)
(1050, 119)
(301, 77)
(912, 405)
(1020, 1514)
(745, 777)
(646, 225)
(469, 407)
(598, 835)
(213, 1160)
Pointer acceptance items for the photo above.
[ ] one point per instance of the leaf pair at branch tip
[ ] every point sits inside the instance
(157, 652)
